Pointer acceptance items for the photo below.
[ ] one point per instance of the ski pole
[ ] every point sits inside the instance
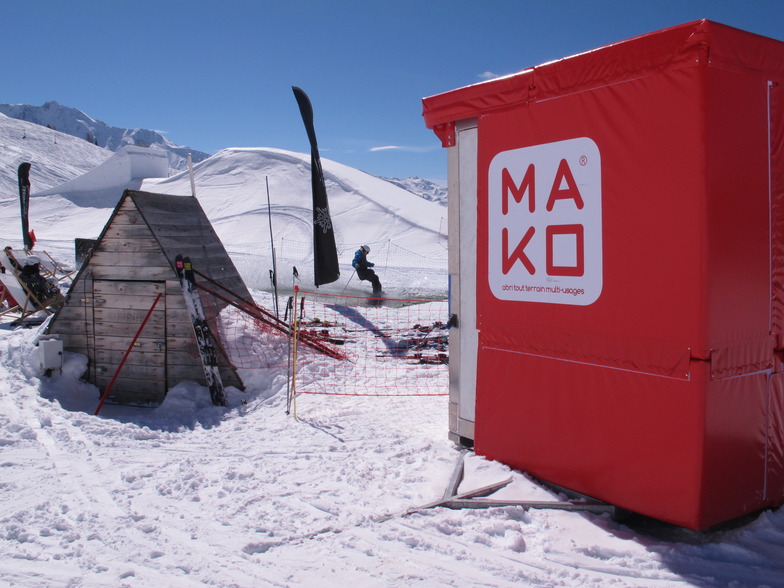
(347, 283)
(289, 307)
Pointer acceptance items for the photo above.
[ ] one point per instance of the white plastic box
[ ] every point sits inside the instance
(48, 355)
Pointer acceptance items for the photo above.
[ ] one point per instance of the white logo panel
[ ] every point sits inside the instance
(545, 223)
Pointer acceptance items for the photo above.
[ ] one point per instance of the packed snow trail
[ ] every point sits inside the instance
(191, 495)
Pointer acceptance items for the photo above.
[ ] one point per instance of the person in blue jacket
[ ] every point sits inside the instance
(362, 265)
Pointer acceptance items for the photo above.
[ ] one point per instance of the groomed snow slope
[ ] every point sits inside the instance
(232, 186)
(56, 157)
(124, 169)
(406, 234)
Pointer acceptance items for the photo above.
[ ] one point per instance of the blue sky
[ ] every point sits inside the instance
(219, 74)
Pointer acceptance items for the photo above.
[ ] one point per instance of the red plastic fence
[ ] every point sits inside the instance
(377, 347)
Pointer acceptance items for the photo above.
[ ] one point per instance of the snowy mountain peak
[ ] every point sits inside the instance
(51, 114)
(56, 157)
(73, 121)
(424, 188)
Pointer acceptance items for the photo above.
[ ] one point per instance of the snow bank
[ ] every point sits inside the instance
(191, 495)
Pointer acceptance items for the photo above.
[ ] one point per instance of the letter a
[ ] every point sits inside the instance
(564, 174)
(518, 254)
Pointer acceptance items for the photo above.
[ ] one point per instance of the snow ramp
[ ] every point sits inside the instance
(124, 170)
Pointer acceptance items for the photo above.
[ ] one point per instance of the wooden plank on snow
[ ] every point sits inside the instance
(478, 503)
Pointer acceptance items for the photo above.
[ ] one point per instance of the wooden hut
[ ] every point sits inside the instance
(132, 261)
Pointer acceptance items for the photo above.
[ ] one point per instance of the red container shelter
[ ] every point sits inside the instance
(617, 268)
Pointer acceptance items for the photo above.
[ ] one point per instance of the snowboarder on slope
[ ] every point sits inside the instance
(362, 265)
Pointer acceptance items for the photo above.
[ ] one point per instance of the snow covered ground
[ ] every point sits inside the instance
(188, 494)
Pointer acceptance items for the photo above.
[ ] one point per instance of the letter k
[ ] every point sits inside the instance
(519, 252)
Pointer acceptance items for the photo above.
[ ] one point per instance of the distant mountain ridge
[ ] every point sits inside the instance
(424, 188)
(72, 121)
(55, 157)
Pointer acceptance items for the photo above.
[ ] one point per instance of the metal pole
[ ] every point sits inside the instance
(294, 355)
(289, 309)
(272, 245)
(290, 373)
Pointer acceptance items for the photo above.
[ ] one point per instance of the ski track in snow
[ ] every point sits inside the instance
(192, 495)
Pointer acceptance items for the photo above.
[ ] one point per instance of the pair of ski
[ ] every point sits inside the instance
(204, 340)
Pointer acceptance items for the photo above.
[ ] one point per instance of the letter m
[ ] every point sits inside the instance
(518, 192)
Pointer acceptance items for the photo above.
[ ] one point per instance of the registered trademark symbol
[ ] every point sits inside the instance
(583, 160)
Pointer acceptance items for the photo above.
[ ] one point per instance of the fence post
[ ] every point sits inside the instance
(294, 330)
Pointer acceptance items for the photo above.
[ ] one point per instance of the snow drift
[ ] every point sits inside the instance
(406, 233)
(124, 170)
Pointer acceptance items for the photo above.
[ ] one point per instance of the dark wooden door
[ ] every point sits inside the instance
(119, 309)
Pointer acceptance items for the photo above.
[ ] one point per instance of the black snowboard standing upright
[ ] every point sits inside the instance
(204, 340)
(326, 268)
(23, 173)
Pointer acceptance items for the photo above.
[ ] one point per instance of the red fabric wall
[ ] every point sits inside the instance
(600, 398)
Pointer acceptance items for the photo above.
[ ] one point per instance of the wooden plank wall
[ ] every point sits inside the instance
(129, 252)
(180, 226)
(119, 309)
